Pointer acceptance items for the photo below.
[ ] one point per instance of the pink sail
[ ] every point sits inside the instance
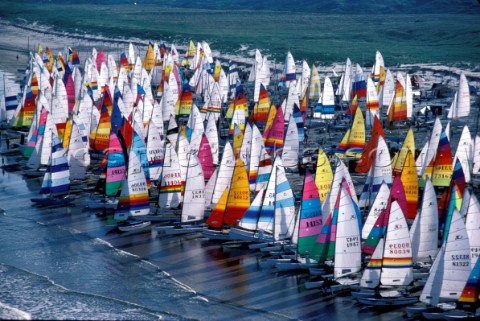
(274, 136)
(206, 158)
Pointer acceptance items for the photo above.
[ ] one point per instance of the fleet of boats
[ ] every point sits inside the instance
(193, 145)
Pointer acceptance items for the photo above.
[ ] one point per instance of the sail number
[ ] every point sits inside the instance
(460, 259)
(353, 241)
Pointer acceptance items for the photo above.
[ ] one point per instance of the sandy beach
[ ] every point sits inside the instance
(225, 274)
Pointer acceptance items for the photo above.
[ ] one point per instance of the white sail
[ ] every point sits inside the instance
(267, 213)
(78, 156)
(195, 123)
(183, 152)
(248, 223)
(424, 230)
(225, 173)
(451, 268)
(211, 132)
(379, 204)
(464, 153)
(472, 224)
(209, 188)
(372, 98)
(292, 99)
(388, 89)
(246, 148)
(341, 172)
(291, 146)
(461, 103)
(170, 194)
(194, 194)
(476, 156)
(348, 252)
(155, 151)
(284, 207)
(257, 146)
(397, 256)
(432, 145)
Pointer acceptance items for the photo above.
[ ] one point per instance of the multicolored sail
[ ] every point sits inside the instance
(310, 220)
(275, 134)
(262, 107)
(57, 175)
(115, 166)
(442, 169)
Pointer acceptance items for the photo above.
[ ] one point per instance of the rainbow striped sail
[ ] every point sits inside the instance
(397, 110)
(250, 218)
(262, 108)
(37, 132)
(442, 169)
(470, 297)
(185, 102)
(100, 137)
(310, 216)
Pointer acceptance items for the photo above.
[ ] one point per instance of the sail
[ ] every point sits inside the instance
(442, 169)
(410, 183)
(397, 256)
(194, 193)
(205, 158)
(310, 216)
(469, 299)
(267, 213)
(314, 89)
(326, 108)
(115, 166)
(359, 85)
(256, 150)
(57, 176)
(284, 207)
(246, 147)
(407, 146)
(171, 182)
(424, 229)
(372, 104)
(215, 219)
(476, 156)
(371, 274)
(380, 171)
(369, 151)
(452, 265)
(250, 218)
(348, 254)
(356, 140)
(211, 133)
(464, 153)
(239, 196)
(78, 156)
(133, 199)
(461, 103)
(397, 110)
(291, 147)
(288, 77)
(427, 160)
(225, 173)
(274, 136)
(379, 204)
(263, 172)
(292, 100)
(262, 107)
(472, 224)
(323, 174)
(155, 152)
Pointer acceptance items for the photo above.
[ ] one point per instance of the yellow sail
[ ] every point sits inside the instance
(239, 197)
(67, 133)
(342, 147)
(237, 139)
(323, 174)
(189, 54)
(409, 180)
(149, 60)
(271, 117)
(408, 146)
(356, 141)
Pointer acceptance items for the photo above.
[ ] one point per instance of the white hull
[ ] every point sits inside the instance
(133, 226)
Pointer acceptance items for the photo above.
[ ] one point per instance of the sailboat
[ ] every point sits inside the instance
(56, 181)
(133, 201)
(193, 208)
(391, 262)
